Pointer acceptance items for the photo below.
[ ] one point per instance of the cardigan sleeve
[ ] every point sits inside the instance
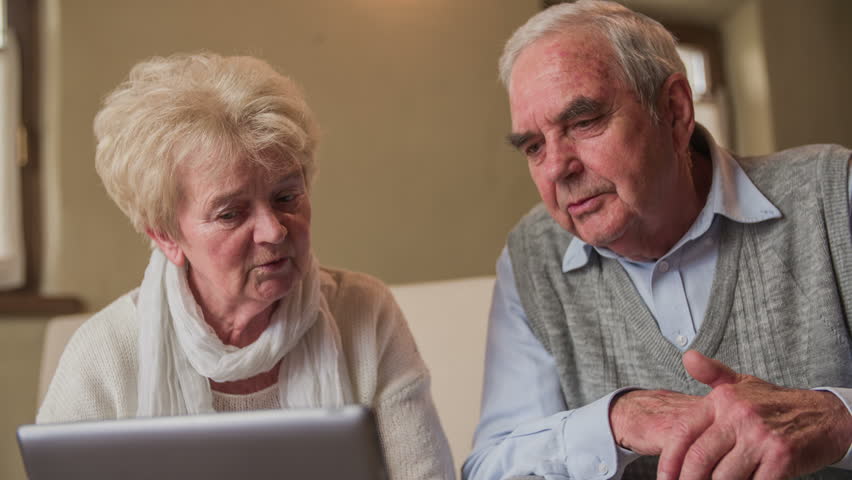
(414, 441)
(389, 375)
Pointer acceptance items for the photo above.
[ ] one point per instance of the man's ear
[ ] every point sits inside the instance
(168, 246)
(675, 107)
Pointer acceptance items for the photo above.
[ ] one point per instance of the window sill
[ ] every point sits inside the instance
(34, 305)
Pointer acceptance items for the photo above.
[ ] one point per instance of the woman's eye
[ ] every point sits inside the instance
(286, 198)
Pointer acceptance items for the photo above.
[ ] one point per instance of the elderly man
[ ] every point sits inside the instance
(666, 299)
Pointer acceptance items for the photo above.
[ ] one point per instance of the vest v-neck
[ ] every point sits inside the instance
(639, 320)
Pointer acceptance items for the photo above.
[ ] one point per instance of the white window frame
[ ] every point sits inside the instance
(12, 251)
(3, 24)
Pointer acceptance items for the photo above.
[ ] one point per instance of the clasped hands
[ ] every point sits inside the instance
(744, 428)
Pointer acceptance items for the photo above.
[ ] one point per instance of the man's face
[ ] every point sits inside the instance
(604, 169)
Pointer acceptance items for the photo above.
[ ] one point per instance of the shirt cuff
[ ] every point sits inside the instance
(588, 434)
(845, 396)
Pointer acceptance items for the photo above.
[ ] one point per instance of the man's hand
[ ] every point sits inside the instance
(748, 428)
(642, 420)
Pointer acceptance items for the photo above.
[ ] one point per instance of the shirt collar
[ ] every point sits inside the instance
(732, 194)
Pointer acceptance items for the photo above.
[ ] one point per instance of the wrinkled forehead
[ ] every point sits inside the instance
(578, 54)
(205, 172)
(560, 66)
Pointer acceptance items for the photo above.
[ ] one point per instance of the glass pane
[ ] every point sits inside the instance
(695, 61)
(2, 24)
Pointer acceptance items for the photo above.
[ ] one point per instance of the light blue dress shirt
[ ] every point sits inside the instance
(525, 427)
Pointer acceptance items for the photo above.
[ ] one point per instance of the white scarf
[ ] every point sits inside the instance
(179, 351)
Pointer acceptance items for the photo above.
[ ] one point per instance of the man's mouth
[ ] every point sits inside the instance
(585, 205)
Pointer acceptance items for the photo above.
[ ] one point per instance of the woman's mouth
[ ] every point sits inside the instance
(273, 266)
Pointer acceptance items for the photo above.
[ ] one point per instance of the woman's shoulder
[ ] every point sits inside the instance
(116, 321)
(95, 376)
(104, 342)
(346, 286)
(380, 349)
(107, 336)
(360, 303)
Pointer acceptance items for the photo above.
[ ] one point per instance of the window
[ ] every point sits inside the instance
(12, 256)
(3, 24)
(699, 48)
(19, 16)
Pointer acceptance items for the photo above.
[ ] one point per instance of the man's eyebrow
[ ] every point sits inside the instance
(517, 140)
(578, 107)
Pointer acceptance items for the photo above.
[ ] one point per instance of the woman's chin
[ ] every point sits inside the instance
(274, 287)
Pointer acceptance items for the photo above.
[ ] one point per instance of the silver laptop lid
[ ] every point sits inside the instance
(316, 443)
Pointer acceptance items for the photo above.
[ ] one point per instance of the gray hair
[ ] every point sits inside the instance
(203, 112)
(644, 49)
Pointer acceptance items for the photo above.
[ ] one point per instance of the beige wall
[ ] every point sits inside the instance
(788, 66)
(415, 182)
(748, 81)
(20, 357)
(810, 67)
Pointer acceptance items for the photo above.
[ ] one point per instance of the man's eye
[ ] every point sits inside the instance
(227, 216)
(586, 123)
(286, 198)
(532, 149)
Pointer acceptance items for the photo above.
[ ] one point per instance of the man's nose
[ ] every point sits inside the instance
(561, 160)
(269, 227)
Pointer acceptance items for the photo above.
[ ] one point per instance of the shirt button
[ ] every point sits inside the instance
(681, 340)
(664, 266)
(603, 468)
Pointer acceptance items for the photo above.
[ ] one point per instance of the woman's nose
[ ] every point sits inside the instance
(268, 227)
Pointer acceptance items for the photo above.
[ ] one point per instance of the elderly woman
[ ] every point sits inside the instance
(212, 158)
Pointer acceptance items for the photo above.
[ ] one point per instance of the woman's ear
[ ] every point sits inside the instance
(676, 108)
(168, 246)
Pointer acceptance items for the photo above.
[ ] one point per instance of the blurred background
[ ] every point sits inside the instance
(416, 183)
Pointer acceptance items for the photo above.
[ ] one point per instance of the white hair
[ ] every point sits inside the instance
(200, 112)
(644, 49)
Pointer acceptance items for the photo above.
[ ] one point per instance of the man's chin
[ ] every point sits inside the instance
(601, 237)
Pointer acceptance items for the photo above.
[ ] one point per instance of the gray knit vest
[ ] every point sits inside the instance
(779, 303)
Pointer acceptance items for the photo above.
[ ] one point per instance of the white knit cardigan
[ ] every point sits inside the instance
(96, 376)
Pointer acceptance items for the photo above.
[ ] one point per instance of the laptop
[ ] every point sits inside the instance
(275, 444)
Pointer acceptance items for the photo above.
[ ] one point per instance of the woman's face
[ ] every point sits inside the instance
(246, 236)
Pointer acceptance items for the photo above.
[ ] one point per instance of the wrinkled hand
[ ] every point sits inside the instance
(748, 428)
(643, 420)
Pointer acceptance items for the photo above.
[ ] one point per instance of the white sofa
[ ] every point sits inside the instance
(448, 320)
